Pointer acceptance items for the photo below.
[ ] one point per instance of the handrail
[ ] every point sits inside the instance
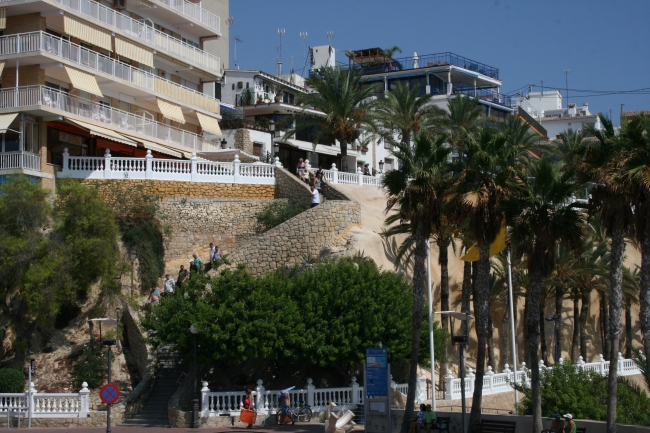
(175, 47)
(35, 41)
(20, 159)
(195, 12)
(132, 123)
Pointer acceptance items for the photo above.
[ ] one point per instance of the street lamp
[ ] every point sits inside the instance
(195, 400)
(556, 318)
(381, 165)
(462, 341)
(134, 256)
(224, 143)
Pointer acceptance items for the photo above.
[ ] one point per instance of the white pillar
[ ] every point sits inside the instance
(260, 400)
(193, 171)
(359, 176)
(148, 162)
(236, 163)
(205, 400)
(335, 174)
(601, 361)
(277, 162)
(355, 390)
(310, 392)
(107, 165)
(83, 396)
(490, 375)
(66, 161)
(470, 377)
(449, 86)
(449, 385)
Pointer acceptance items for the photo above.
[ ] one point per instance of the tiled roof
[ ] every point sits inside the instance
(636, 113)
(549, 119)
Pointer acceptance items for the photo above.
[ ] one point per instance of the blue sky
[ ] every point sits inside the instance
(604, 43)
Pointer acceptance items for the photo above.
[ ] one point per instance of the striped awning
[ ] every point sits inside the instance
(103, 132)
(3, 18)
(87, 32)
(209, 124)
(2, 66)
(171, 111)
(130, 50)
(5, 121)
(83, 80)
(161, 149)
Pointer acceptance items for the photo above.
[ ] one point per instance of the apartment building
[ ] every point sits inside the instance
(124, 76)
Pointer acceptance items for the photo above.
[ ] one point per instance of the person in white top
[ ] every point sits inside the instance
(213, 251)
(315, 198)
(169, 284)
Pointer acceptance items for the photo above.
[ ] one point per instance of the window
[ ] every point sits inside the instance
(31, 137)
(388, 164)
(240, 85)
(247, 84)
(257, 149)
(386, 144)
(190, 42)
(77, 145)
(189, 84)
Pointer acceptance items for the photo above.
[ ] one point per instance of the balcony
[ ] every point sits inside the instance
(488, 95)
(194, 12)
(20, 160)
(40, 98)
(379, 66)
(172, 47)
(41, 41)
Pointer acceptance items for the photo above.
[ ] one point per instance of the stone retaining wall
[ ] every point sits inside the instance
(290, 187)
(308, 233)
(177, 189)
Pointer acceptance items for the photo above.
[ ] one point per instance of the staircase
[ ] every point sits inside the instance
(154, 411)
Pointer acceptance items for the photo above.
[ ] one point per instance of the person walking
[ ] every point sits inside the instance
(169, 285)
(183, 274)
(198, 262)
(213, 251)
(248, 403)
(315, 197)
(570, 426)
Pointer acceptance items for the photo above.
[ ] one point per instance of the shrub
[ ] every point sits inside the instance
(275, 214)
(11, 380)
(90, 367)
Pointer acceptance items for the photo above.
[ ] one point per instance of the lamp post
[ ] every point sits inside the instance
(224, 143)
(462, 341)
(195, 400)
(556, 318)
(381, 165)
(109, 343)
(134, 256)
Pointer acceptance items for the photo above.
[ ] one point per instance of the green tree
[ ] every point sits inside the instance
(414, 202)
(540, 216)
(340, 94)
(601, 163)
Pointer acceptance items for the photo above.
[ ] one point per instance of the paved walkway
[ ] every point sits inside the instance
(297, 428)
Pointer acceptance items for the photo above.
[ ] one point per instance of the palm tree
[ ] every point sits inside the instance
(340, 95)
(636, 135)
(414, 202)
(601, 163)
(540, 217)
(463, 120)
(487, 164)
(570, 145)
(517, 133)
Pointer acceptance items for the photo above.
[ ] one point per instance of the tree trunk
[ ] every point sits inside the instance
(559, 297)
(629, 334)
(344, 154)
(505, 339)
(443, 260)
(604, 323)
(466, 294)
(542, 333)
(584, 312)
(644, 294)
(532, 323)
(575, 344)
(481, 313)
(526, 336)
(615, 298)
(491, 356)
(419, 284)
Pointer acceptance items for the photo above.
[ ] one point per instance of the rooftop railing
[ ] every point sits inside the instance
(196, 12)
(425, 61)
(41, 41)
(33, 96)
(488, 95)
(156, 39)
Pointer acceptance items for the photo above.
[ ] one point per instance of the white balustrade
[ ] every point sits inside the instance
(35, 96)
(46, 405)
(20, 159)
(335, 176)
(109, 167)
(195, 12)
(147, 35)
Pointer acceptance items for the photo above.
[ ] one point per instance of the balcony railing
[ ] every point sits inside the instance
(156, 39)
(485, 95)
(196, 12)
(20, 159)
(41, 41)
(31, 96)
(426, 61)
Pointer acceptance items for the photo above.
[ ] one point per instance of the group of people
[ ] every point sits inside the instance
(313, 179)
(424, 419)
(196, 265)
(560, 425)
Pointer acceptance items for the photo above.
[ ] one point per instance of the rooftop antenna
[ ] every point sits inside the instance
(291, 60)
(230, 21)
(566, 74)
(330, 35)
(303, 36)
(236, 39)
(542, 88)
(281, 32)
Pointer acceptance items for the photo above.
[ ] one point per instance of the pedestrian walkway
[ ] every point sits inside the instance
(297, 428)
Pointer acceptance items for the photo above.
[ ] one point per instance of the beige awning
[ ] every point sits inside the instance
(133, 51)
(87, 32)
(3, 18)
(158, 148)
(171, 111)
(209, 124)
(83, 80)
(104, 132)
(2, 66)
(5, 121)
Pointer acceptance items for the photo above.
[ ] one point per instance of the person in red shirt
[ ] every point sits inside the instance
(248, 403)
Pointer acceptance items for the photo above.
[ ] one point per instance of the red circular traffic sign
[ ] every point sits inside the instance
(109, 393)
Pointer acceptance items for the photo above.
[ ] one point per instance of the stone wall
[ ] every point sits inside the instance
(197, 222)
(243, 141)
(308, 233)
(290, 187)
(189, 190)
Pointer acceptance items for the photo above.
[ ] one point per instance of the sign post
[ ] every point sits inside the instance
(377, 386)
(109, 393)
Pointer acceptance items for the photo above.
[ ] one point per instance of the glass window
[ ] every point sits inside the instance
(77, 145)
(31, 137)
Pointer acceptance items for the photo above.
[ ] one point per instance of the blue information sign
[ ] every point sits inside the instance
(377, 372)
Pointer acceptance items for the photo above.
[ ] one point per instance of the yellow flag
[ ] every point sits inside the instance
(499, 244)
